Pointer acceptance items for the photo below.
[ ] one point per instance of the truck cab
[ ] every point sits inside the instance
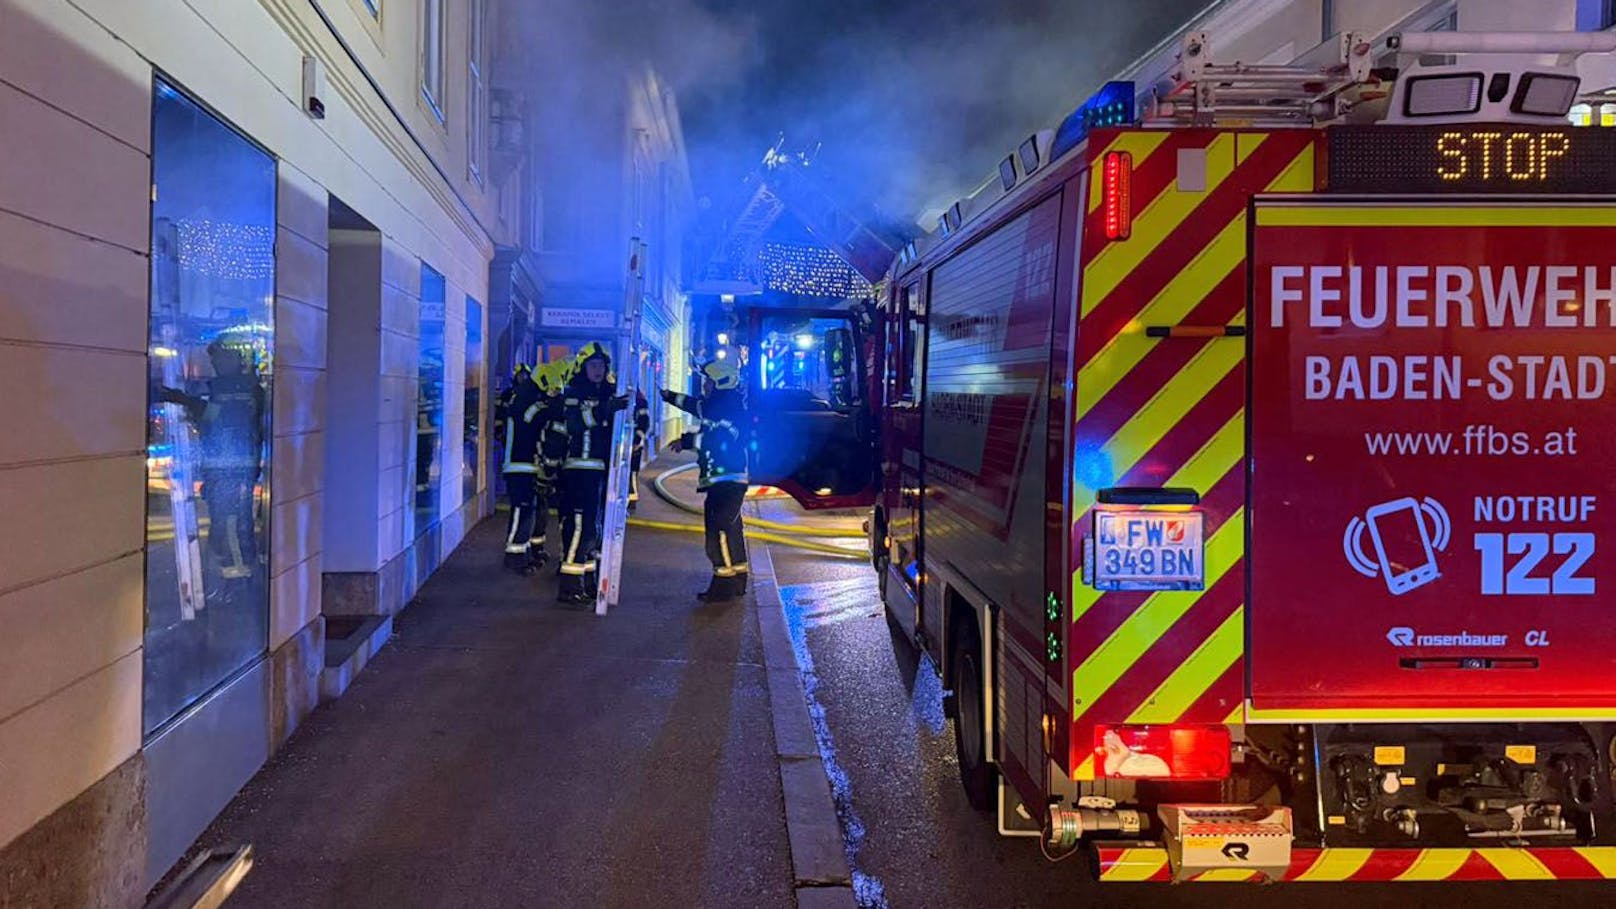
(810, 399)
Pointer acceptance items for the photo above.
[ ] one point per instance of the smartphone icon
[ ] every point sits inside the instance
(1403, 544)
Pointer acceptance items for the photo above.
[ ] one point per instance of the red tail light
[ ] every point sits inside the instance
(1118, 186)
(1162, 752)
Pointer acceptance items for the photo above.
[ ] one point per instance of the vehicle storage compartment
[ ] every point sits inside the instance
(1432, 431)
(1408, 784)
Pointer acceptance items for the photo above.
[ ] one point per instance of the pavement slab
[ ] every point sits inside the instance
(503, 750)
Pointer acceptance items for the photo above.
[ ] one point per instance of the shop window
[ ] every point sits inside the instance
(470, 464)
(208, 425)
(429, 401)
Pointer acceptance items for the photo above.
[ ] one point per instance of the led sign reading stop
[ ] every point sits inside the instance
(1484, 158)
(1488, 154)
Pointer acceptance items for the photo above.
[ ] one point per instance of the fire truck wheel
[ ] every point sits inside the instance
(970, 737)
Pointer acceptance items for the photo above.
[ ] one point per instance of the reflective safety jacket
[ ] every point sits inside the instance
(642, 420)
(552, 435)
(720, 443)
(588, 411)
(523, 424)
(229, 418)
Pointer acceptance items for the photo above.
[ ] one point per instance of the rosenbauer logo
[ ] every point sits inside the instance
(1403, 636)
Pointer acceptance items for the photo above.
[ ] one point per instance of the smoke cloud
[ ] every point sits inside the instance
(911, 102)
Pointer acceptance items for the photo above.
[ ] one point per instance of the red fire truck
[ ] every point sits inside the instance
(1245, 469)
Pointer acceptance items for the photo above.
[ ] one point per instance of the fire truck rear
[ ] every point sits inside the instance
(1246, 454)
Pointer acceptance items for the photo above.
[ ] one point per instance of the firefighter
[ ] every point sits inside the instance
(229, 417)
(642, 429)
(720, 445)
(553, 443)
(551, 379)
(523, 425)
(589, 406)
(502, 404)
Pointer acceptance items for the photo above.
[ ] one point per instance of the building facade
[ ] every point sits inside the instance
(244, 275)
(611, 167)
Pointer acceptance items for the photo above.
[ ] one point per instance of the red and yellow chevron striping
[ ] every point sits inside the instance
(1169, 412)
(1150, 863)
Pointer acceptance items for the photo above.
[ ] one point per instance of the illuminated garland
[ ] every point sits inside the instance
(224, 249)
(811, 271)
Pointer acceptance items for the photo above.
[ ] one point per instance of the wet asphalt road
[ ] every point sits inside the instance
(913, 839)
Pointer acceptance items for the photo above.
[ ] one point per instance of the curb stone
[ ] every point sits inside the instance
(818, 857)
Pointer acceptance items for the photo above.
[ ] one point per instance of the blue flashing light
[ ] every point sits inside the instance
(1093, 469)
(1112, 105)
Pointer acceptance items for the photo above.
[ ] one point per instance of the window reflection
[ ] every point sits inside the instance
(429, 402)
(808, 363)
(207, 495)
(469, 463)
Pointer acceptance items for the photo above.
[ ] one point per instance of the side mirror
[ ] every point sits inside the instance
(843, 358)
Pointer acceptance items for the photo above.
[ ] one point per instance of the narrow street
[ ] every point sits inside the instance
(450, 442)
(503, 750)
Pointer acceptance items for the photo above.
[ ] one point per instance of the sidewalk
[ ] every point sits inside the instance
(506, 751)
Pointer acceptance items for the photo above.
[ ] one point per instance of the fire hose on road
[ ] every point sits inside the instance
(766, 531)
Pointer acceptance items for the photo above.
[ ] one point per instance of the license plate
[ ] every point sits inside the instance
(1140, 549)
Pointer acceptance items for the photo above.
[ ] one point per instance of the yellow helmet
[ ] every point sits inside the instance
(722, 373)
(592, 350)
(545, 376)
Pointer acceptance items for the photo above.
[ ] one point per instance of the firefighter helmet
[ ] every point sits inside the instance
(722, 373)
(548, 377)
(591, 351)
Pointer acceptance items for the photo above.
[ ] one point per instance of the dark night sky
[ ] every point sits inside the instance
(913, 102)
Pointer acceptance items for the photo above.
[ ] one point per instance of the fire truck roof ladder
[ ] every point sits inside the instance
(1568, 45)
(1197, 91)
